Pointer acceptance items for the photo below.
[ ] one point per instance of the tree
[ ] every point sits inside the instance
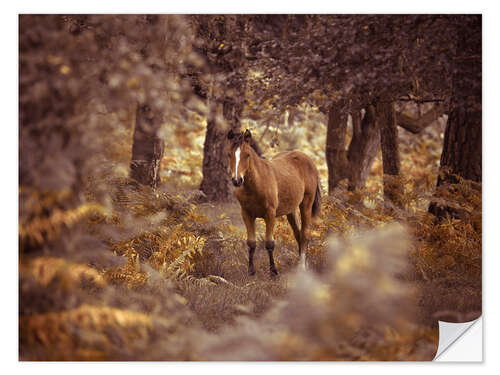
(363, 147)
(219, 43)
(353, 164)
(335, 153)
(147, 148)
(390, 150)
(462, 147)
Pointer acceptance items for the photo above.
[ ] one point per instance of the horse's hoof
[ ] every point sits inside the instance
(274, 274)
(251, 272)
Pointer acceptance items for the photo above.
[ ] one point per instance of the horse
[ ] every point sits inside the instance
(272, 188)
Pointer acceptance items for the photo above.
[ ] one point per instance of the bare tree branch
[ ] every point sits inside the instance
(416, 125)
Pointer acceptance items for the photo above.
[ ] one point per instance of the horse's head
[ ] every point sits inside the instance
(239, 154)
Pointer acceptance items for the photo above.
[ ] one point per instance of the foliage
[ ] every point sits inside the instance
(320, 58)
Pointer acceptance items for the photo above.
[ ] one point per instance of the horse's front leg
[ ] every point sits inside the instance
(270, 220)
(251, 242)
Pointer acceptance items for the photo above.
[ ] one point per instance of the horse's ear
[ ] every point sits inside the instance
(230, 134)
(247, 136)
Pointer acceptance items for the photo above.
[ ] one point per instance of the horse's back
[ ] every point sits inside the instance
(296, 177)
(287, 160)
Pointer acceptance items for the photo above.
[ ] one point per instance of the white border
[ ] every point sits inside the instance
(9, 150)
(254, 6)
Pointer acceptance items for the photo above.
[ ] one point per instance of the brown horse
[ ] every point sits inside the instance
(269, 189)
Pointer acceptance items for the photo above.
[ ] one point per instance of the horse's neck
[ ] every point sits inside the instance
(253, 175)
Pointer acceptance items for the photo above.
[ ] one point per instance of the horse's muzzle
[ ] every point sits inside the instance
(237, 181)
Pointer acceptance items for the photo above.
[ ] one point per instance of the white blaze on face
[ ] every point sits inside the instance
(237, 156)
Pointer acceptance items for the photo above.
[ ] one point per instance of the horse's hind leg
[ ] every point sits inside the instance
(292, 220)
(252, 244)
(305, 231)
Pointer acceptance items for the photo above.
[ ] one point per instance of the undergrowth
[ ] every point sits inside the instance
(159, 275)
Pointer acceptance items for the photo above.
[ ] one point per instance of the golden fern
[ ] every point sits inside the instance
(39, 229)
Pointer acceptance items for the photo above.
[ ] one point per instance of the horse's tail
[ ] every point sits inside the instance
(317, 201)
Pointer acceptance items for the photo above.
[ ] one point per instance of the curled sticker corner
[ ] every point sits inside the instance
(451, 332)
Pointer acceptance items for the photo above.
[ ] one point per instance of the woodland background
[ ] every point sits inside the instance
(131, 245)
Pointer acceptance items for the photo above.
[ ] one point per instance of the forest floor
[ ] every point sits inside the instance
(167, 278)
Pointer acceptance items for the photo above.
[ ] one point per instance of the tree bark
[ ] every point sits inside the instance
(363, 147)
(386, 117)
(229, 62)
(336, 158)
(355, 164)
(216, 182)
(216, 179)
(147, 149)
(462, 147)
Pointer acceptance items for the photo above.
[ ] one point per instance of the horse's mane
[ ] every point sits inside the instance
(238, 140)
(255, 147)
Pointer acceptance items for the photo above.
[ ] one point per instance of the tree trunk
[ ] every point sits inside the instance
(216, 183)
(147, 149)
(230, 63)
(462, 148)
(386, 118)
(354, 164)
(216, 178)
(336, 158)
(363, 147)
